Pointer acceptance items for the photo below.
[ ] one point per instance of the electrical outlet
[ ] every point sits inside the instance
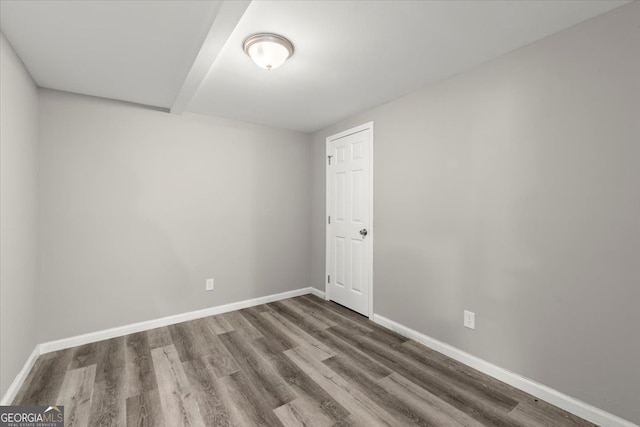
(209, 286)
(469, 319)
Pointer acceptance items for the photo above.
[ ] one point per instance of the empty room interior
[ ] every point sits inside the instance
(320, 213)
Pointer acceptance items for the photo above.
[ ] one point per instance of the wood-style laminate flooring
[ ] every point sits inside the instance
(297, 362)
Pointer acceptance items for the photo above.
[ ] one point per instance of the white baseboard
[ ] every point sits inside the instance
(317, 292)
(119, 331)
(13, 389)
(561, 400)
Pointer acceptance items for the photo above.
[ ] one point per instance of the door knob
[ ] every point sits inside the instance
(364, 232)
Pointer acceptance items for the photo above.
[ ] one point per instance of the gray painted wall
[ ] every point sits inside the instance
(138, 207)
(513, 190)
(18, 215)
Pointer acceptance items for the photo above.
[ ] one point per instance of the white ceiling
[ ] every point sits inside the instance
(349, 55)
(137, 51)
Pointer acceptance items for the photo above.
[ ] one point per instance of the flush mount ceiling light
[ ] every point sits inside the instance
(268, 51)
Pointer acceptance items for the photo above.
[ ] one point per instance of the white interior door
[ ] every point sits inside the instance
(350, 219)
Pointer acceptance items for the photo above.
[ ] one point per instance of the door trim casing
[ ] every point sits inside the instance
(371, 235)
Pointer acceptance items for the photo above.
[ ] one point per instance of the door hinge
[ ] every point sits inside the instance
(329, 219)
(329, 157)
(329, 279)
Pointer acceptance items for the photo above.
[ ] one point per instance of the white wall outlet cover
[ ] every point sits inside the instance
(469, 319)
(209, 286)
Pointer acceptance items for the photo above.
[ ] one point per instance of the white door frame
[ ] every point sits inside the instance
(371, 233)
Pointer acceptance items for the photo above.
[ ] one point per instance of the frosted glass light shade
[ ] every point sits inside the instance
(268, 51)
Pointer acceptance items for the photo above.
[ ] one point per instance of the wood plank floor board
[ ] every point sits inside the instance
(497, 396)
(297, 362)
(267, 329)
(145, 410)
(159, 337)
(179, 405)
(247, 405)
(222, 362)
(272, 387)
(108, 403)
(372, 366)
(214, 350)
(263, 308)
(334, 343)
(316, 313)
(527, 403)
(303, 412)
(393, 357)
(300, 383)
(377, 332)
(476, 384)
(110, 358)
(207, 339)
(482, 408)
(347, 422)
(431, 408)
(242, 326)
(541, 413)
(301, 319)
(367, 386)
(391, 337)
(461, 373)
(207, 390)
(219, 324)
(186, 342)
(299, 336)
(45, 379)
(83, 356)
(140, 375)
(387, 339)
(337, 317)
(363, 411)
(75, 395)
(347, 319)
